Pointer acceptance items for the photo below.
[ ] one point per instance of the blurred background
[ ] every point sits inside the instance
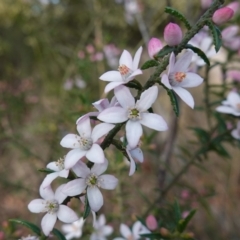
(52, 53)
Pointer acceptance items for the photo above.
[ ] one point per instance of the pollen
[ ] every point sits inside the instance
(179, 76)
(52, 206)
(60, 163)
(134, 114)
(125, 71)
(92, 180)
(85, 143)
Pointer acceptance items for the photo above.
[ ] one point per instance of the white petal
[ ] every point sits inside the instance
(70, 141)
(48, 179)
(101, 220)
(95, 198)
(108, 182)
(64, 173)
(137, 154)
(133, 133)
(81, 169)
(107, 230)
(154, 121)
(59, 195)
(112, 85)
(132, 164)
(132, 76)
(66, 214)
(136, 58)
(228, 110)
(147, 98)
(37, 205)
(73, 157)
(191, 80)
(111, 76)
(46, 193)
(74, 187)
(136, 229)
(235, 133)
(100, 130)
(84, 128)
(84, 117)
(125, 231)
(126, 59)
(95, 154)
(171, 63)
(48, 223)
(113, 115)
(99, 168)
(124, 97)
(233, 98)
(53, 166)
(101, 104)
(185, 96)
(183, 62)
(165, 81)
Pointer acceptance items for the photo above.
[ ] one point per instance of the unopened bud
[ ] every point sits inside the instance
(164, 232)
(234, 6)
(154, 46)
(222, 15)
(172, 34)
(151, 222)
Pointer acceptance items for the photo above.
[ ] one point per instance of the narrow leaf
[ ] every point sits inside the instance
(178, 15)
(173, 100)
(149, 64)
(27, 224)
(46, 170)
(177, 211)
(217, 36)
(58, 234)
(184, 222)
(199, 52)
(87, 208)
(164, 51)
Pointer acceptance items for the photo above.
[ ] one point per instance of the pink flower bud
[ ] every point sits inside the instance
(172, 34)
(151, 222)
(234, 6)
(222, 15)
(154, 46)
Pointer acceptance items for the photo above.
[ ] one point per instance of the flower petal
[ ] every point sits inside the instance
(99, 168)
(101, 104)
(73, 157)
(53, 166)
(165, 81)
(100, 130)
(70, 141)
(191, 80)
(95, 198)
(153, 121)
(228, 110)
(124, 97)
(48, 179)
(64, 173)
(48, 223)
(113, 115)
(183, 62)
(59, 195)
(132, 76)
(95, 154)
(74, 187)
(137, 154)
(84, 128)
(125, 231)
(235, 134)
(46, 193)
(37, 205)
(132, 164)
(108, 182)
(185, 96)
(66, 214)
(84, 117)
(81, 169)
(147, 98)
(107, 230)
(112, 85)
(111, 76)
(133, 133)
(136, 58)
(233, 98)
(171, 63)
(126, 59)
(136, 229)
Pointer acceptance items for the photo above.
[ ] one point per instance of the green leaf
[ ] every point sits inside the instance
(220, 150)
(164, 51)
(202, 135)
(58, 234)
(46, 170)
(199, 52)
(87, 208)
(149, 64)
(173, 100)
(217, 36)
(184, 222)
(27, 224)
(156, 236)
(177, 211)
(178, 15)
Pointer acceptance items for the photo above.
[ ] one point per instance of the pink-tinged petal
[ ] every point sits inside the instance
(132, 164)
(108, 182)
(114, 115)
(172, 60)
(112, 85)
(48, 223)
(53, 166)
(154, 121)
(95, 154)
(111, 76)
(81, 169)
(84, 128)
(133, 133)
(70, 141)
(185, 96)
(147, 98)
(132, 76)
(83, 118)
(48, 179)
(124, 97)
(100, 130)
(99, 168)
(126, 59)
(95, 198)
(125, 231)
(228, 110)
(74, 187)
(66, 214)
(233, 98)
(37, 206)
(191, 80)
(46, 193)
(136, 58)
(64, 173)
(73, 157)
(101, 104)
(113, 102)
(59, 195)
(165, 81)
(137, 154)
(183, 62)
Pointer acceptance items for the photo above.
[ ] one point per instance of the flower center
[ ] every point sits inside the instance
(134, 114)
(60, 163)
(52, 206)
(176, 78)
(93, 181)
(125, 71)
(85, 143)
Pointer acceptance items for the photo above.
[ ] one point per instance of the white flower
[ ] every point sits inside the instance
(179, 78)
(73, 230)
(138, 228)
(127, 70)
(236, 132)
(85, 144)
(51, 203)
(29, 237)
(101, 229)
(134, 113)
(59, 171)
(92, 180)
(231, 105)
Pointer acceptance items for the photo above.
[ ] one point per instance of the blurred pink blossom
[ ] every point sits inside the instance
(234, 6)
(112, 54)
(222, 15)
(234, 75)
(154, 46)
(81, 54)
(230, 38)
(206, 3)
(151, 222)
(1, 235)
(90, 49)
(185, 214)
(96, 57)
(185, 194)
